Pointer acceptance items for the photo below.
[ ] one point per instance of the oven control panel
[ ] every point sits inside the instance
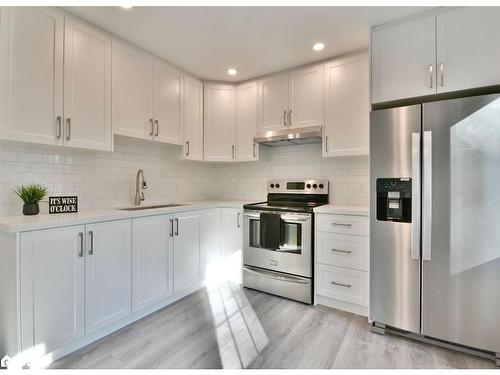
(311, 186)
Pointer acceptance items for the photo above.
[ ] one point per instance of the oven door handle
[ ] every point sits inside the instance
(288, 279)
(252, 216)
(294, 218)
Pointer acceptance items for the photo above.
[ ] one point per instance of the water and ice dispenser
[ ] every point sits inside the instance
(394, 199)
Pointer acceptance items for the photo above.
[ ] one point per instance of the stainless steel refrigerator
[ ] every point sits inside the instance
(435, 220)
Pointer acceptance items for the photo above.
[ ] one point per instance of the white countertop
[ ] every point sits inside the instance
(21, 223)
(343, 210)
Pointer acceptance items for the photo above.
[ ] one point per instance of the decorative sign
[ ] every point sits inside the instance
(62, 205)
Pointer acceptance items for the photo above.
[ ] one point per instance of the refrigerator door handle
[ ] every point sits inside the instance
(427, 197)
(415, 197)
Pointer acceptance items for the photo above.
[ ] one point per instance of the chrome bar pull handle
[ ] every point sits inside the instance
(326, 144)
(341, 251)
(171, 227)
(238, 220)
(415, 197)
(290, 118)
(341, 284)
(284, 118)
(254, 155)
(441, 74)
(187, 148)
(232, 152)
(176, 226)
(68, 129)
(346, 225)
(431, 68)
(91, 237)
(151, 132)
(427, 197)
(80, 252)
(59, 127)
(157, 128)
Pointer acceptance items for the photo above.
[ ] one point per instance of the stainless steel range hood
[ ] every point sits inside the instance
(288, 137)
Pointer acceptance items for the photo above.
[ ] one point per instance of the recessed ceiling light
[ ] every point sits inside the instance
(126, 6)
(318, 46)
(232, 72)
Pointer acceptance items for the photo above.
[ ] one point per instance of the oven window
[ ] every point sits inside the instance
(290, 236)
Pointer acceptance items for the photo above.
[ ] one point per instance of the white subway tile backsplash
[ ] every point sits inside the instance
(107, 179)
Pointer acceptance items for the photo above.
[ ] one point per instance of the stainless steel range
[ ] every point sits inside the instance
(278, 238)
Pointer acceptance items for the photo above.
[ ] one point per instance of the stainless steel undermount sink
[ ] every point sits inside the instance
(151, 207)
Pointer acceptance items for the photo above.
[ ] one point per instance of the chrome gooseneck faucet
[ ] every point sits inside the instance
(139, 194)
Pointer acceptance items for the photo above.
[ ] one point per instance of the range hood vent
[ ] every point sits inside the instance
(287, 137)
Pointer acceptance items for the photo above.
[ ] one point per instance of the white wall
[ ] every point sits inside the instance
(104, 179)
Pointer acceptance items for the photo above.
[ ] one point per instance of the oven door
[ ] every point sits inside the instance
(294, 255)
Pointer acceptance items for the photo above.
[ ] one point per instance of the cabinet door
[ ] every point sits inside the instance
(167, 93)
(346, 130)
(246, 122)
(186, 250)
(219, 122)
(193, 118)
(31, 74)
(87, 87)
(132, 91)
(307, 97)
(273, 102)
(403, 60)
(232, 242)
(467, 56)
(151, 260)
(210, 246)
(52, 282)
(108, 273)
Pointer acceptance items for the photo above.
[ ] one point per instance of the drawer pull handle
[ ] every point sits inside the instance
(342, 251)
(347, 225)
(341, 284)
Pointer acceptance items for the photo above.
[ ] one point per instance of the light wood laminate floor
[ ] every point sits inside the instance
(233, 327)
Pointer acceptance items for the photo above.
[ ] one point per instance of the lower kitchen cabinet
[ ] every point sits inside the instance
(52, 288)
(210, 245)
(186, 250)
(232, 241)
(152, 260)
(107, 273)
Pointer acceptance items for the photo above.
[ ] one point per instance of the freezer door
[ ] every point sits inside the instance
(395, 137)
(461, 221)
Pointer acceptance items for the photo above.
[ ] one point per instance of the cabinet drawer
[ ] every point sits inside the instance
(343, 250)
(343, 284)
(344, 224)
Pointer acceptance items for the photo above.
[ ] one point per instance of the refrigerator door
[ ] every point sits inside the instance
(395, 136)
(461, 221)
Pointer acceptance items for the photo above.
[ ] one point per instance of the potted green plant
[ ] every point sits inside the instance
(31, 195)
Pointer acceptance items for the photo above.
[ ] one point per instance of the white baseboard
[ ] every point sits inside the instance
(342, 305)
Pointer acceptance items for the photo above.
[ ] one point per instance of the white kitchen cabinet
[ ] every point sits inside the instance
(108, 272)
(133, 91)
(403, 60)
(232, 242)
(193, 118)
(306, 96)
(167, 103)
(31, 74)
(152, 260)
(210, 245)
(219, 122)
(467, 56)
(246, 121)
(52, 288)
(273, 102)
(347, 110)
(186, 250)
(87, 87)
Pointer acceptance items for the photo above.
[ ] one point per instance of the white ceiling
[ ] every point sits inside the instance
(206, 41)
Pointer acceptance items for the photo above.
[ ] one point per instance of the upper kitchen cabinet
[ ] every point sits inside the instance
(467, 56)
(306, 96)
(294, 99)
(219, 122)
(403, 60)
(346, 130)
(133, 91)
(273, 102)
(31, 75)
(87, 87)
(193, 118)
(246, 121)
(167, 103)
(55, 80)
